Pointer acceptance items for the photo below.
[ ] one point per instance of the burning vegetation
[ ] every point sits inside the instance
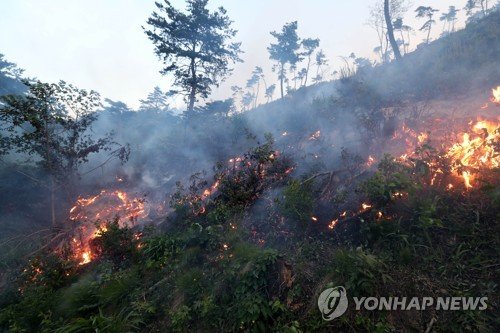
(378, 182)
(90, 215)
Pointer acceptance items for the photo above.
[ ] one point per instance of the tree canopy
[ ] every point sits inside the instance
(285, 50)
(195, 46)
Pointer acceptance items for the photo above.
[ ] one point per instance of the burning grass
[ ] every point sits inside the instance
(90, 215)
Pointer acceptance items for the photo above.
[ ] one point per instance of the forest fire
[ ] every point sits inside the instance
(106, 206)
(473, 151)
(209, 191)
(476, 151)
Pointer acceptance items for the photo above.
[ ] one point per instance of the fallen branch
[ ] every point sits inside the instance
(431, 323)
(59, 235)
(329, 173)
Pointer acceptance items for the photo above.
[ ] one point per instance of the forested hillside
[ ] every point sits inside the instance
(384, 180)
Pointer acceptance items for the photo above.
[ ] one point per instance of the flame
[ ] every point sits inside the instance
(370, 161)
(365, 206)
(86, 258)
(495, 95)
(333, 223)
(104, 206)
(209, 191)
(422, 137)
(314, 218)
(476, 151)
(107, 205)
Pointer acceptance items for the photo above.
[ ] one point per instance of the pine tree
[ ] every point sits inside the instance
(195, 46)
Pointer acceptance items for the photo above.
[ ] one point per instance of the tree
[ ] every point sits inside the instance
(116, 107)
(195, 46)
(397, 9)
(471, 5)
(247, 100)
(310, 45)
(320, 62)
(257, 76)
(217, 109)
(428, 13)
(302, 77)
(157, 101)
(270, 92)
(53, 123)
(10, 77)
(390, 31)
(285, 50)
(449, 18)
(402, 28)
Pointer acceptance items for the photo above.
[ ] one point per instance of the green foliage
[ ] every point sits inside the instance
(285, 50)
(195, 46)
(59, 117)
(391, 177)
(180, 319)
(249, 277)
(160, 250)
(360, 272)
(298, 202)
(123, 321)
(115, 243)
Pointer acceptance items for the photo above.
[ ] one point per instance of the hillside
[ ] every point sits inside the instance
(238, 222)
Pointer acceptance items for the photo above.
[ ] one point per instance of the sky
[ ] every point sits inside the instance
(100, 44)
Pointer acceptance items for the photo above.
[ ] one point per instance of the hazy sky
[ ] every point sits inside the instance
(100, 45)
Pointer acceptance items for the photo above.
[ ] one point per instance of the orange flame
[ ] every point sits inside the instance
(365, 206)
(107, 205)
(333, 223)
(370, 161)
(422, 137)
(104, 206)
(476, 151)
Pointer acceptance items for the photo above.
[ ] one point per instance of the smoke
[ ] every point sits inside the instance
(326, 127)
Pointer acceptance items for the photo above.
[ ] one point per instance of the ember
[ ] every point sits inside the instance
(333, 223)
(365, 206)
(315, 135)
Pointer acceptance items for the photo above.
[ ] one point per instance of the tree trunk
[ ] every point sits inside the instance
(256, 95)
(52, 202)
(403, 39)
(192, 93)
(282, 74)
(390, 31)
(307, 70)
